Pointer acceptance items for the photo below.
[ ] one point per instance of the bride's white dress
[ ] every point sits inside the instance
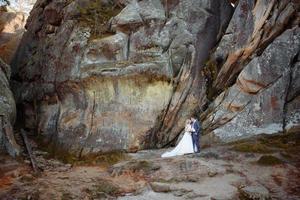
(185, 146)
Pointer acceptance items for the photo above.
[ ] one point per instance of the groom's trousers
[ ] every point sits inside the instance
(195, 138)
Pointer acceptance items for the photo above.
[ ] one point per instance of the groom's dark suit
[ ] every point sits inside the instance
(196, 134)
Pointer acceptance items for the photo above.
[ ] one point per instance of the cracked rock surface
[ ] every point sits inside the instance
(126, 82)
(125, 75)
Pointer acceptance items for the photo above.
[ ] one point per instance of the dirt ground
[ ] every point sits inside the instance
(265, 168)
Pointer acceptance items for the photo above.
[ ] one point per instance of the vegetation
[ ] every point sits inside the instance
(287, 143)
(252, 148)
(96, 15)
(269, 160)
(104, 189)
(105, 159)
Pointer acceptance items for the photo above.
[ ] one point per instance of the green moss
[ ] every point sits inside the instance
(269, 160)
(251, 148)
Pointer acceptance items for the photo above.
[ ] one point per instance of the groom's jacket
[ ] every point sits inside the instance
(196, 126)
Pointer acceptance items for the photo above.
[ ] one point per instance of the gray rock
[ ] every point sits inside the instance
(160, 187)
(256, 103)
(103, 90)
(292, 118)
(253, 26)
(7, 113)
(258, 192)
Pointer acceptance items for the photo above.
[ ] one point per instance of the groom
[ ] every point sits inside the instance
(195, 134)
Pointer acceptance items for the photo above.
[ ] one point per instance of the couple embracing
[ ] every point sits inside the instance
(189, 143)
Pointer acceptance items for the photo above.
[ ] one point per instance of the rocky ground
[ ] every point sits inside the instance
(260, 168)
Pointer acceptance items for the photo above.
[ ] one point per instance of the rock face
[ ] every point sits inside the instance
(253, 73)
(12, 22)
(127, 80)
(11, 31)
(256, 103)
(7, 113)
(96, 75)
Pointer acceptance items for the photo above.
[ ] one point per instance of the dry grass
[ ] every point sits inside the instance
(104, 159)
(269, 160)
(252, 148)
(287, 143)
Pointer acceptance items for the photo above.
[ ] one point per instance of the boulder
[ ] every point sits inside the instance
(252, 27)
(12, 21)
(11, 30)
(109, 77)
(252, 75)
(292, 108)
(160, 187)
(258, 101)
(7, 113)
(257, 192)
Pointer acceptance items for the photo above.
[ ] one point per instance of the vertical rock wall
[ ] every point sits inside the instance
(12, 21)
(93, 76)
(7, 113)
(254, 72)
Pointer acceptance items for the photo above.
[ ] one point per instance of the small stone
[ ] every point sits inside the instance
(160, 187)
(192, 178)
(181, 192)
(27, 161)
(212, 173)
(68, 165)
(257, 192)
(194, 195)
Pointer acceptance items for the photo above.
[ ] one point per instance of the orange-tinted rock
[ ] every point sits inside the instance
(259, 102)
(12, 28)
(122, 80)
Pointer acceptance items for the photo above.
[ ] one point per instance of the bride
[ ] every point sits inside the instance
(185, 146)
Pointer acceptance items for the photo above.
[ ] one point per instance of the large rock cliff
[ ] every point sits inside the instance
(7, 113)
(12, 21)
(254, 71)
(92, 75)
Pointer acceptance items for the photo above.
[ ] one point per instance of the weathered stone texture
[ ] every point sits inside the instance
(255, 67)
(253, 26)
(12, 22)
(7, 113)
(125, 83)
(126, 75)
